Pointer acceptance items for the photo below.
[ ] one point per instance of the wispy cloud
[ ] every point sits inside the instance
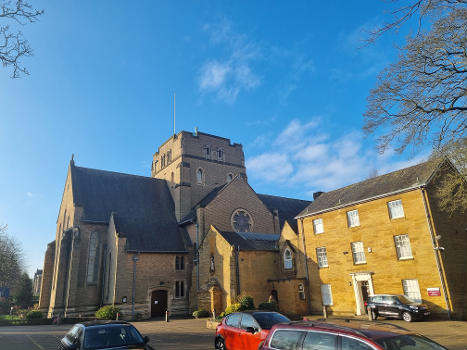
(228, 76)
(304, 155)
(29, 194)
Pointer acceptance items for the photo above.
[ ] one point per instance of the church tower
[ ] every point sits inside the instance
(194, 164)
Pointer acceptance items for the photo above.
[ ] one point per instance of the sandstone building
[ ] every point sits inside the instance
(389, 235)
(195, 235)
(132, 241)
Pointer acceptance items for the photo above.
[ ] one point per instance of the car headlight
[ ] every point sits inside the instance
(413, 307)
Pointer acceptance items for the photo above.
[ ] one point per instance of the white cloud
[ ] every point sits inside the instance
(271, 167)
(29, 194)
(213, 75)
(229, 76)
(305, 157)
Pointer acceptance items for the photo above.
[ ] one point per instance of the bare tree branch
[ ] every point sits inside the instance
(13, 46)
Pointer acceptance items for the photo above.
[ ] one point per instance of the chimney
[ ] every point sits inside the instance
(317, 194)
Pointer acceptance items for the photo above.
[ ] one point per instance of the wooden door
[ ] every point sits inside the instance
(158, 303)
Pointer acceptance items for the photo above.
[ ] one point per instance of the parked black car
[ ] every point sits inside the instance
(104, 335)
(397, 306)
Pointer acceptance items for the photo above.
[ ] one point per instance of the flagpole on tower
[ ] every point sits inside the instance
(174, 113)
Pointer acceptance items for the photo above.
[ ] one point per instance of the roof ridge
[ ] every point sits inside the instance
(110, 172)
(295, 199)
(379, 176)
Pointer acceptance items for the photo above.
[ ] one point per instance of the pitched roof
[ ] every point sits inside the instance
(396, 181)
(288, 208)
(202, 203)
(251, 240)
(142, 207)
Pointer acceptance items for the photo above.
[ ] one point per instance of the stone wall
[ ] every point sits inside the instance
(377, 232)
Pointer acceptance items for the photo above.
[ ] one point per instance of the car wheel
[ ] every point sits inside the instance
(219, 344)
(407, 317)
(374, 315)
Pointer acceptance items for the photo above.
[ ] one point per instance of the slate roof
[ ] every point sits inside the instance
(396, 181)
(142, 207)
(252, 241)
(202, 203)
(288, 208)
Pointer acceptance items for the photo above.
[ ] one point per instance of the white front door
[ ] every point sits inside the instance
(363, 286)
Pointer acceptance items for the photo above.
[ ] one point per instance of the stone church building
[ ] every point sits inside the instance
(193, 235)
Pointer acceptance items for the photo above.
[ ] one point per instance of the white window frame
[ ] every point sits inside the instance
(326, 295)
(358, 253)
(318, 226)
(220, 154)
(395, 209)
(412, 289)
(207, 152)
(403, 247)
(322, 257)
(353, 219)
(288, 259)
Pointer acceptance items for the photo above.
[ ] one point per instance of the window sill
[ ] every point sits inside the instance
(360, 263)
(408, 258)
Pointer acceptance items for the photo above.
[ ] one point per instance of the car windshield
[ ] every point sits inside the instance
(111, 336)
(404, 300)
(268, 319)
(408, 342)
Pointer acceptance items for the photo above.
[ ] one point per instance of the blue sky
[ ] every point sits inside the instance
(288, 80)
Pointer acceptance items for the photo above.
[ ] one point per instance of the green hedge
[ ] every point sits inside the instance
(108, 312)
(34, 315)
(269, 306)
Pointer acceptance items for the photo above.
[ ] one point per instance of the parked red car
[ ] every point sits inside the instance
(245, 330)
(345, 335)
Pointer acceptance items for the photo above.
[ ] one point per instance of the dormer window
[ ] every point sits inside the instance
(207, 152)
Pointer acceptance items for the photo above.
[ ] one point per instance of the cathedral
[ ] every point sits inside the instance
(194, 235)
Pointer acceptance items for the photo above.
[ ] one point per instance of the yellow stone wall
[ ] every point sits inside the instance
(377, 232)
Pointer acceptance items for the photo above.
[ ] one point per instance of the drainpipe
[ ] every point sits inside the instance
(133, 290)
(436, 251)
(237, 265)
(197, 256)
(308, 295)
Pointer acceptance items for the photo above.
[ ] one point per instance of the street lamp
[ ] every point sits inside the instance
(133, 291)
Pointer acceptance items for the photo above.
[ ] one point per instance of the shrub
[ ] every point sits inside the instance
(108, 312)
(232, 308)
(201, 313)
(246, 303)
(4, 307)
(268, 306)
(34, 314)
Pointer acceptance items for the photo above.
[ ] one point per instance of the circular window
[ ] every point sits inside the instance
(241, 221)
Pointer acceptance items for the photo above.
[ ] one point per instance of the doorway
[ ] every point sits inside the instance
(363, 287)
(158, 303)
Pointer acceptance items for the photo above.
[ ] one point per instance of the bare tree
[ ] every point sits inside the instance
(13, 46)
(10, 259)
(422, 98)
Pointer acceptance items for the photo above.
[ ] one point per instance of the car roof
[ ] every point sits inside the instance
(103, 323)
(367, 329)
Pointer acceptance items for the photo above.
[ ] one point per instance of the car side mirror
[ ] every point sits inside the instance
(251, 330)
(146, 339)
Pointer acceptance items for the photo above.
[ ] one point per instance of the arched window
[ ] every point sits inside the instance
(229, 177)
(199, 176)
(93, 258)
(288, 259)
(241, 221)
